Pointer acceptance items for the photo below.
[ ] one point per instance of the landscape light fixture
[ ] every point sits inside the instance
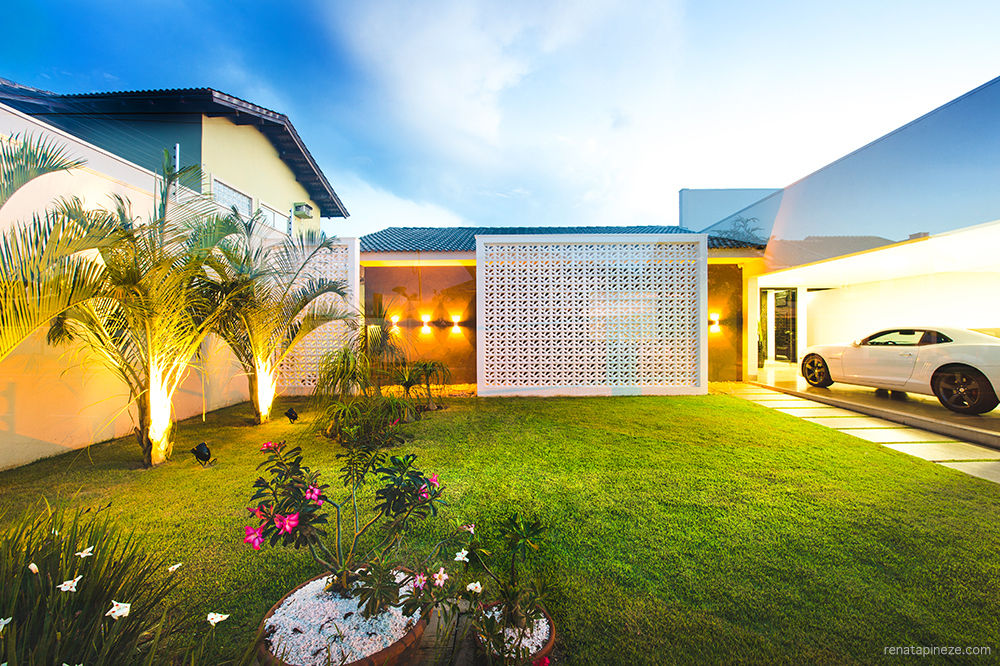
(292, 415)
(713, 322)
(203, 455)
(394, 319)
(425, 318)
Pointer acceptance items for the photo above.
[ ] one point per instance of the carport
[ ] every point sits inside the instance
(950, 279)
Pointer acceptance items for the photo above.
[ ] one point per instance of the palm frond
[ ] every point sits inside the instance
(24, 159)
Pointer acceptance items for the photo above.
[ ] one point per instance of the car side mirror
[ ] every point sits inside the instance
(856, 343)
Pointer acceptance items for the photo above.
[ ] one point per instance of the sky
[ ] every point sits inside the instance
(466, 112)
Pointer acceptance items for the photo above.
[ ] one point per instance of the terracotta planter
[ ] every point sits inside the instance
(404, 652)
(546, 649)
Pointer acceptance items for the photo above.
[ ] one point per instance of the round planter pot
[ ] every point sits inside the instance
(404, 652)
(546, 649)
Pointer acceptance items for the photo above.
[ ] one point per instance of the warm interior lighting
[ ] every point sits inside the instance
(425, 329)
(456, 329)
(425, 318)
(394, 319)
(713, 322)
(456, 319)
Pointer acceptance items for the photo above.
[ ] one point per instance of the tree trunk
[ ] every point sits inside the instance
(255, 397)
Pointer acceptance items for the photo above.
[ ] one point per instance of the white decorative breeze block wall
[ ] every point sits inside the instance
(592, 314)
(300, 370)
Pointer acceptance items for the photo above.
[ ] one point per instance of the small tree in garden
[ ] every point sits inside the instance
(291, 507)
(432, 372)
(276, 304)
(154, 308)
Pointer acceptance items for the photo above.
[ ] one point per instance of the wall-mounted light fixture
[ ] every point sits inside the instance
(713, 322)
(394, 319)
(425, 319)
(455, 319)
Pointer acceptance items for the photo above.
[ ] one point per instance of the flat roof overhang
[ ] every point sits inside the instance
(720, 256)
(968, 250)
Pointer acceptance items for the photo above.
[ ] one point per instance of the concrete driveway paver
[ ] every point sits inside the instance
(789, 404)
(897, 435)
(839, 422)
(815, 411)
(984, 470)
(939, 451)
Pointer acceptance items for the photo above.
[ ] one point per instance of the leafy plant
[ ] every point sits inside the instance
(278, 301)
(154, 307)
(432, 372)
(366, 421)
(80, 589)
(407, 376)
(289, 503)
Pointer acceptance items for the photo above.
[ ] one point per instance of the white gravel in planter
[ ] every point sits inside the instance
(313, 627)
(536, 635)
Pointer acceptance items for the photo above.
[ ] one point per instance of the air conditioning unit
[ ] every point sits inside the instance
(302, 210)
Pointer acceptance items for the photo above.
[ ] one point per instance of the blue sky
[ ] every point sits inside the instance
(533, 113)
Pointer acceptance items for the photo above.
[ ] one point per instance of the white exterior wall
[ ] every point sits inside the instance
(54, 400)
(965, 300)
(591, 314)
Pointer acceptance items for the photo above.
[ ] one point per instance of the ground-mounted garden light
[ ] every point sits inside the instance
(292, 415)
(203, 455)
(713, 322)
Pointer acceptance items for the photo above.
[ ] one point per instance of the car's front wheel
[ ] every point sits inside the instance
(963, 389)
(815, 370)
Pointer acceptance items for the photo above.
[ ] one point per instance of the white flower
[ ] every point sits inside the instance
(69, 585)
(174, 567)
(5, 622)
(33, 568)
(215, 618)
(462, 556)
(471, 529)
(118, 609)
(476, 587)
(86, 552)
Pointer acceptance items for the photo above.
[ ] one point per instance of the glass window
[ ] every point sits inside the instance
(908, 337)
(228, 198)
(274, 219)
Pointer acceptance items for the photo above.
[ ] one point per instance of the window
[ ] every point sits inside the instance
(904, 337)
(229, 198)
(274, 218)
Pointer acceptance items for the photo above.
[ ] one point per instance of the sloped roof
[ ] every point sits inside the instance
(207, 101)
(463, 239)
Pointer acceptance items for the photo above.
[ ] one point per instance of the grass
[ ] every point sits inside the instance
(683, 529)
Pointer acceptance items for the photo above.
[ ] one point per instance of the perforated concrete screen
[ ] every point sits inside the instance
(591, 314)
(298, 374)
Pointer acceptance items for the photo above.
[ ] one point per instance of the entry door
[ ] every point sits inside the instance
(785, 326)
(886, 358)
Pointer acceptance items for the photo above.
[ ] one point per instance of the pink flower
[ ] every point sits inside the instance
(394, 423)
(420, 581)
(256, 510)
(440, 577)
(286, 523)
(313, 494)
(435, 482)
(423, 492)
(254, 536)
(541, 661)
(267, 446)
(471, 529)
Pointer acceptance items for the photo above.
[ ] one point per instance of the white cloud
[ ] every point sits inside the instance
(373, 208)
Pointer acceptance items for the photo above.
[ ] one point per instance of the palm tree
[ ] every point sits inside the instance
(42, 270)
(156, 305)
(278, 303)
(431, 372)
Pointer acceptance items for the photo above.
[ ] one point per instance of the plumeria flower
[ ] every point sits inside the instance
(434, 481)
(86, 552)
(216, 618)
(420, 581)
(33, 568)
(4, 622)
(69, 585)
(462, 556)
(118, 610)
(254, 536)
(476, 587)
(174, 567)
(440, 577)
(471, 529)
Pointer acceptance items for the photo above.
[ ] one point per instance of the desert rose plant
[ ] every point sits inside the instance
(291, 507)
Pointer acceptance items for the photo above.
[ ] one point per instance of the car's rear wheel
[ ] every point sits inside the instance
(815, 370)
(963, 389)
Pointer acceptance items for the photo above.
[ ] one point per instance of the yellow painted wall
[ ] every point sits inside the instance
(243, 158)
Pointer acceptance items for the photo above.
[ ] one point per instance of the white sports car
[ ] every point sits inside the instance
(960, 367)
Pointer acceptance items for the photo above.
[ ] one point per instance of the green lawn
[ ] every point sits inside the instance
(685, 529)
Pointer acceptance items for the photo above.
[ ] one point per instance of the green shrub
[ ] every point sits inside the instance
(49, 625)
